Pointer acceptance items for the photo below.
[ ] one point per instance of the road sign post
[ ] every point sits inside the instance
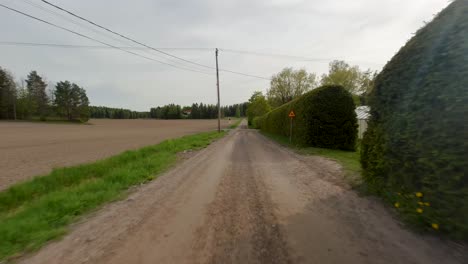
(291, 117)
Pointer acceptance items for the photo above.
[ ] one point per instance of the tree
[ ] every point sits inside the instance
(289, 84)
(37, 92)
(7, 95)
(238, 112)
(350, 77)
(258, 106)
(71, 101)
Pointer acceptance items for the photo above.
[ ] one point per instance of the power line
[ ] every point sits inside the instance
(93, 39)
(273, 55)
(123, 36)
(71, 20)
(106, 34)
(149, 47)
(55, 45)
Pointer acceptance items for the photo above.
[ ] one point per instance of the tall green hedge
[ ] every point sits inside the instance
(325, 118)
(417, 139)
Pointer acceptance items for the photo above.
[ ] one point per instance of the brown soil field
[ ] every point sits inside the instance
(28, 149)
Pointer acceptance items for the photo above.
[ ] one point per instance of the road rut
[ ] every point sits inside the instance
(245, 199)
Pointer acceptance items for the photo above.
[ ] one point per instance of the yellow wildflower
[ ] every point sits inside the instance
(419, 194)
(420, 203)
(435, 226)
(427, 204)
(397, 205)
(419, 210)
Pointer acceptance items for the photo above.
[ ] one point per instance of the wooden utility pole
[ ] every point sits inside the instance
(217, 86)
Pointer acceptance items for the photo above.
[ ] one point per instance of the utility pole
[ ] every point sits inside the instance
(217, 86)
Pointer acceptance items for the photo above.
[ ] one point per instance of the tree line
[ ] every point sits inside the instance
(289, 84)
(115, 113)
(197, 111)
(30, 99)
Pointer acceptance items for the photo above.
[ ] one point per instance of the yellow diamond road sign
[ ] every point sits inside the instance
(291, 114)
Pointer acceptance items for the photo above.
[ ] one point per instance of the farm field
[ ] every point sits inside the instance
(29, 149)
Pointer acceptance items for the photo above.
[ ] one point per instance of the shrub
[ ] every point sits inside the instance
(417, 139)
(325, 118)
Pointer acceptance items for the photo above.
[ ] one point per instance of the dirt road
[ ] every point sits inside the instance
(245, 199)
(30, 149)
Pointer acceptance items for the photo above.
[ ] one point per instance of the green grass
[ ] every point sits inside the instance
(37, 211)
(236, 123)
(349, 160)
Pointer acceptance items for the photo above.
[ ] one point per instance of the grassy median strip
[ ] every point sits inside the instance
(349, 160)
(34, 212)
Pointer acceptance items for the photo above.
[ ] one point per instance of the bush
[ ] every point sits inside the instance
(416, 141)
(325, 118)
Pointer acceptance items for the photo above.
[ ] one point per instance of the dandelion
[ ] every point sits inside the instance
(419, 194)
(420, 203)
(419, 210)
(427, 204)
(397, 205)
(435, 226)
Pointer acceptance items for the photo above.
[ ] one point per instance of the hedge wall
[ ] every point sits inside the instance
(325, 118)
(417, 139)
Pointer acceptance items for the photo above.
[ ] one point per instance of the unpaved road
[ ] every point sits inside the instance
(244, 199)
(30, 149)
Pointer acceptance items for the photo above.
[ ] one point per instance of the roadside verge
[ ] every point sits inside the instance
(349, 160)
(37, 211)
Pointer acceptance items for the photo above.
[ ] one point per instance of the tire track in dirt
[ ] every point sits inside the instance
(241, 226)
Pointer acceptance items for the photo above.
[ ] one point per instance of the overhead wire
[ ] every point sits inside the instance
(72, 21)
(273, 55)
(123, 36)
(106, 34)
(147, 46)
(16, 43)
(96, 40)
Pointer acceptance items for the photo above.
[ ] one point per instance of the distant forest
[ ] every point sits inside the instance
(32, 99)
(171, 111)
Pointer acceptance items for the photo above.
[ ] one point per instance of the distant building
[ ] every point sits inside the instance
(363, 114)
(187, 113)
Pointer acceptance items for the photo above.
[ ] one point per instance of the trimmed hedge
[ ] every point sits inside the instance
(325, 118)
(417, 140)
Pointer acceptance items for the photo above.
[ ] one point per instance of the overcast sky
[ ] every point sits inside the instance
(362, 32)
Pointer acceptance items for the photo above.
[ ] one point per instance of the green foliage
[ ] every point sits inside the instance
(258, 106)
(204, 111)
(236, 124)
(34, 212)
(325, 118)
(350, 77)
(289, 84)
(38, 97)
(348, 159)
(235, 110)
(71, 101)
(7, 95)
(115, 113)
(417, 140)
(170, 111)
(197, 111)
(33, 103)
(238, 112)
